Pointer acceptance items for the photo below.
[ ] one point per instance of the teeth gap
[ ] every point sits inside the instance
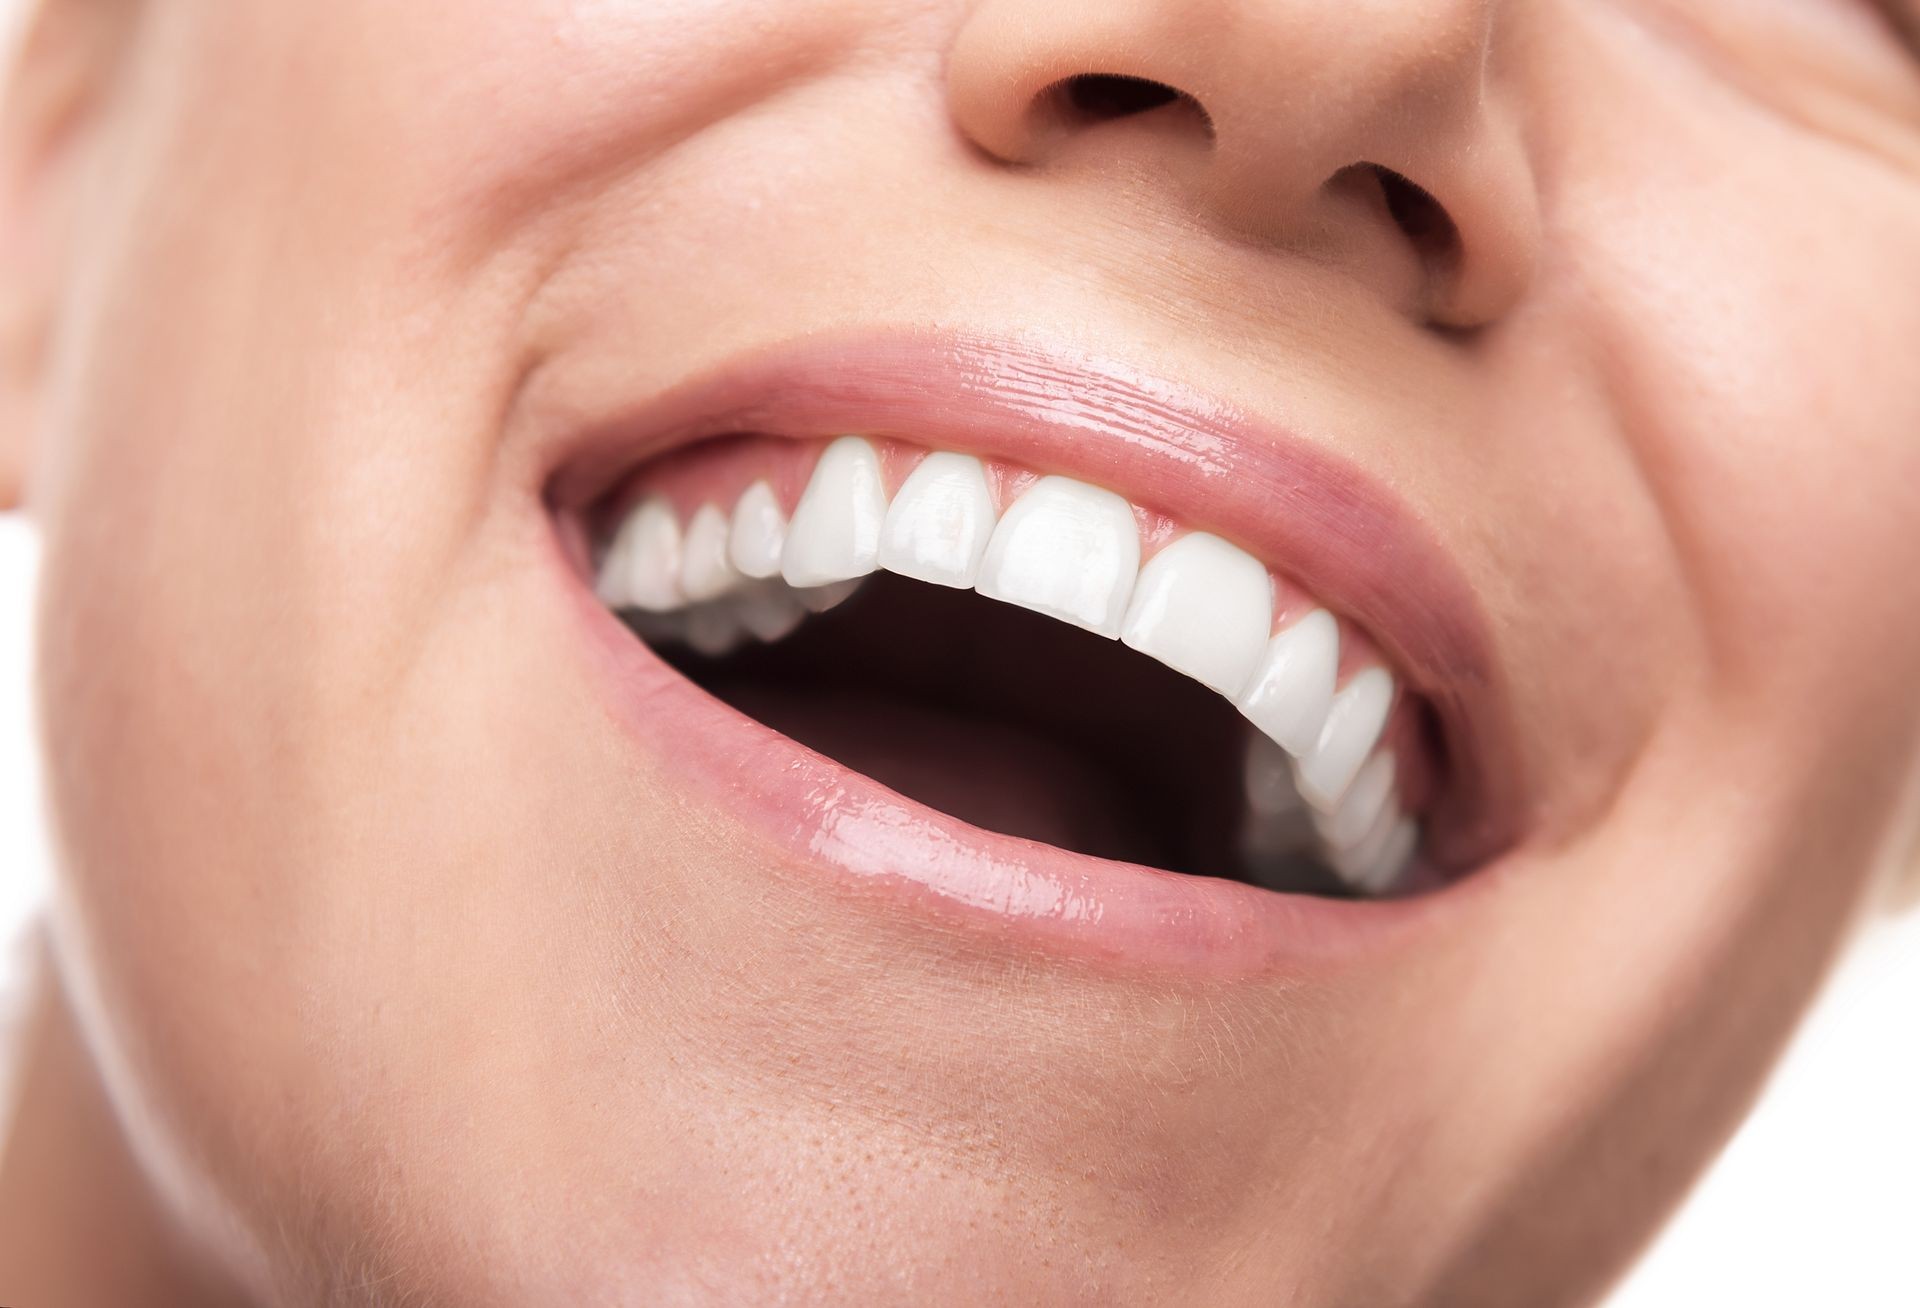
(1318, 804)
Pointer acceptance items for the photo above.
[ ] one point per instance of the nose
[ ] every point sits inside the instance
(1368, 132)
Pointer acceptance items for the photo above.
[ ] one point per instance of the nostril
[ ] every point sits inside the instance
(1112, 95)
(1100, 97)
(1420, 218)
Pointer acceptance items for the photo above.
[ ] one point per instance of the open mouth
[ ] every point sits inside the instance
(1044, 640)
(1031, 654)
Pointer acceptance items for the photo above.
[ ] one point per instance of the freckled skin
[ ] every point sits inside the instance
(385, 968)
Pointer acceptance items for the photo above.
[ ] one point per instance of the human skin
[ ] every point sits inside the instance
(391, 963)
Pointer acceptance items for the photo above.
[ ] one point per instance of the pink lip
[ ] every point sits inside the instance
(1338, 533)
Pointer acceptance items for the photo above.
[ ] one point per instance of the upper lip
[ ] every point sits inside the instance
(1304, 508)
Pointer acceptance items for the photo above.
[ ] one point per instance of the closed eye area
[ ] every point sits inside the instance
(1029, 653)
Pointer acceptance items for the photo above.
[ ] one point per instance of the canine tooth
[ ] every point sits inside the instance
(835, 532)
(818, 599)
(642, 568)
(1068, 550)
(1361, 806)
(1291, 690)
(940, 521)
(705, 571)
(1354, 724)
(770, 610)
(713, 630)
(1202, 607)
(759, 530)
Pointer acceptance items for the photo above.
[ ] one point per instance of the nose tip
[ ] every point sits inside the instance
(1280, 121)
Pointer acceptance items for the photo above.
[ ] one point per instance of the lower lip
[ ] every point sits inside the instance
(881, 851)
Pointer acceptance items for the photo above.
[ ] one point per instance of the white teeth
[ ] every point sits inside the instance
(759, 531)
(642, 567)
(705, 571)
(940, 521)
(770, 610)
(835, 532)
(1379, 859)
(1361, 807)
(1315, 775)
(713, 630)
(1354, 724)
(1354, 862)
(1068, 550)
(1291, 690)
(1391, 865)
(1202, 607)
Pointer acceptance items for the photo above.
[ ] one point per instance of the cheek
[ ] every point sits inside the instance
(475, 119)
(1755, 322)
(276, 526)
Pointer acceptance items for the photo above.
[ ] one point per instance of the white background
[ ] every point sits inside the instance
(1817, 1202)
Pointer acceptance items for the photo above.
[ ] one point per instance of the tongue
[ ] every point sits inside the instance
(992, 774)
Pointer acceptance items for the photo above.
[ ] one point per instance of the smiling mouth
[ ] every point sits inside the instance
(1062, 647)
(1141, 691)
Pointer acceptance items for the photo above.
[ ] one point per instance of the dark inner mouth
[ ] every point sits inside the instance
(1016, 723)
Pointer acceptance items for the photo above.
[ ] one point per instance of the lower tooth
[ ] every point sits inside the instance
(713, 631)
(818, 599)
(657, 628)
(1268, 779)
(1390, 867)
(1358, 864)
(770, 610)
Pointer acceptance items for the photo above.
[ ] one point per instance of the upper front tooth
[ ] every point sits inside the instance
(835, 532)
(940, 521)
(642, 567)
(1202, 607)
(759, 531)
(1289, 694)
(1068, 550)
(1354, 724)
(705, 571)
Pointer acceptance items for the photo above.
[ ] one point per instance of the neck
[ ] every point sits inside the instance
(79, 1224)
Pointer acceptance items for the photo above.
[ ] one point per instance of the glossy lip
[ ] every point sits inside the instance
(1331, 528)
